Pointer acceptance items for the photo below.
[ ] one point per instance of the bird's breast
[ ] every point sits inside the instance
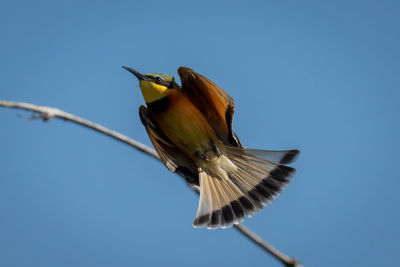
(184, 125)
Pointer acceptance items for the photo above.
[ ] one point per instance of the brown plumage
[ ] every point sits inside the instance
(191, 129)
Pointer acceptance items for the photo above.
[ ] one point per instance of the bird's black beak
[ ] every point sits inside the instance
(136, 73)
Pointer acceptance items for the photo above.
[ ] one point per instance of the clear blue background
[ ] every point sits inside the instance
(321, 76)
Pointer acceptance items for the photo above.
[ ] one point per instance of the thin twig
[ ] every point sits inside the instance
(47, 113)
(285, 259)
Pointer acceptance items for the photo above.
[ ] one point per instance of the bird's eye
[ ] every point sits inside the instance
(159, 80)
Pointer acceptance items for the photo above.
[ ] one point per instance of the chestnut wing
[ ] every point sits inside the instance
(213, 102)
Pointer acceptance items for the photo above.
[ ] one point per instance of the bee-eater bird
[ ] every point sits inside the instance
(190, 127)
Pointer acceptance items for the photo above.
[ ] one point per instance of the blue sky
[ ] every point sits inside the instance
(320, 76)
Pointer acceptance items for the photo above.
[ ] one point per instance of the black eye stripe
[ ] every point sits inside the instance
(160, 81)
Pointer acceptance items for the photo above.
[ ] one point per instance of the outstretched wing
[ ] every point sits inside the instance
(174, 159)
(213, 102)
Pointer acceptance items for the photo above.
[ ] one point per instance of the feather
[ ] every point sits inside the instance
(239, 184)
(276, 156)
(212, 101)
(172, 157)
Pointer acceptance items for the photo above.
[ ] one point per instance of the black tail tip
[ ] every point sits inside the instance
(282, 173)
(290, 156)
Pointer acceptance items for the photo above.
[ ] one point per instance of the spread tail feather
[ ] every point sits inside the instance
(243, 181)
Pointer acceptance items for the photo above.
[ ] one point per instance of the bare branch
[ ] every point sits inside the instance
(285, 259)
(47, 113)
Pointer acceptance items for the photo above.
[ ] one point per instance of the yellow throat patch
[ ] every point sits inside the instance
(152, 91)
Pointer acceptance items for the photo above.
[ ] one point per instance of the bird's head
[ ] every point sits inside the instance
(154, 86)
